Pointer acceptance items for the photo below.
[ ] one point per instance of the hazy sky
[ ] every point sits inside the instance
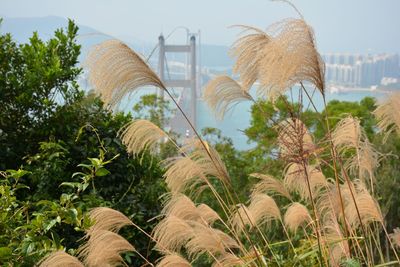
(340, 25)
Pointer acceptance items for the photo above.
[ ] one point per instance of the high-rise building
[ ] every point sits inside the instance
(360, 70)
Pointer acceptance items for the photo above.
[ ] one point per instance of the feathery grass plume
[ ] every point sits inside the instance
(61, 259)
(294, 140)
(296, 215)
(295, 179)
(183, 173)
(241, 218)
(107, 219)
(173, 260)
(364, 164)
(329, 203)
(140, 135)
(172, 233)
(317, 179)
(388, 115)
(368, 208)
(104, 248)
(289, 58)
(189, 171)
(354, 186)
(263, 209)
(229, 260)
(395, 236)
(115, 70)
(208, 240)
(348, 133)
(268, 184)
(206, 157)
(222, 93)
(346, 191)
(338, 245)
(181, 206)
(248, 51)
(208, 214)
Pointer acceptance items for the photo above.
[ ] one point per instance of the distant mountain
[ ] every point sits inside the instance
(22, 29)
(212, 56)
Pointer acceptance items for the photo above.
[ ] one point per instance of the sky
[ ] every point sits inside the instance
(340, 25)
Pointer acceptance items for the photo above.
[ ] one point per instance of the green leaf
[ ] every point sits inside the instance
(65, 198)
(29, 248)
(21, 186)
(87, 166)
(71, 184)
(50, 225)
(73, 213)
(350, 263)
(45, 203)
(95, 162)
(390, 263)
(110, 160)
(5, 253)
(17, 174)
(102, 172)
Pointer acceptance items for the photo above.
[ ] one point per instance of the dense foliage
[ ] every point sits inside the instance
(53, 134)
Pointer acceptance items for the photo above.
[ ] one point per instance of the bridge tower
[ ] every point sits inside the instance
(187, 86)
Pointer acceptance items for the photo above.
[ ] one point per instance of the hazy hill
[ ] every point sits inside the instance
(22, 28)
